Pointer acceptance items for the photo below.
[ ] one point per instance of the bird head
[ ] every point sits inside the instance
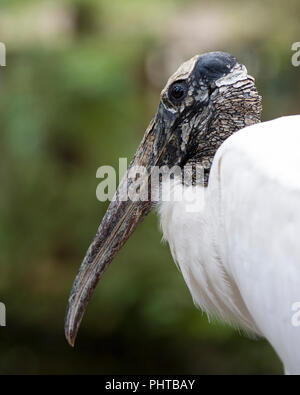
(207, 99)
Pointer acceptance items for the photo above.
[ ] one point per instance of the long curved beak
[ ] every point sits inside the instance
(121, 219)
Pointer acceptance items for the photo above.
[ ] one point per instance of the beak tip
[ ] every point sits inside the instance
(70, 336)
(70, 328)
(71, 342)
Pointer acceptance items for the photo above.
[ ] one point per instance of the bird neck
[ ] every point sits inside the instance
(227, 116)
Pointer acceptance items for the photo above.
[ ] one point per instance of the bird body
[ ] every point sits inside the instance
(239, 253)
(234, 231)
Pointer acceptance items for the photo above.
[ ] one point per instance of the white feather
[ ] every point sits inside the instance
(239, 252)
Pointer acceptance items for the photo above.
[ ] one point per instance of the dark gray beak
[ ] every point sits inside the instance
(122, 217)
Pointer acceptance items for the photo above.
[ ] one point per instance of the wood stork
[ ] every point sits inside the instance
(239, 253)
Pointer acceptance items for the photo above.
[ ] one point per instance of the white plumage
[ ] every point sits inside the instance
(240, 252)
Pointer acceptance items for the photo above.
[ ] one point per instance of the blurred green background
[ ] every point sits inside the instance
(81, 84)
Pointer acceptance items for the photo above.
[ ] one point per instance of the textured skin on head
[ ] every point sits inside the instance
(233, 106)
(213, 65)
(221, 99)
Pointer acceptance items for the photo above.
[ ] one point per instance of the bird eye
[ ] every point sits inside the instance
(178, 91)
